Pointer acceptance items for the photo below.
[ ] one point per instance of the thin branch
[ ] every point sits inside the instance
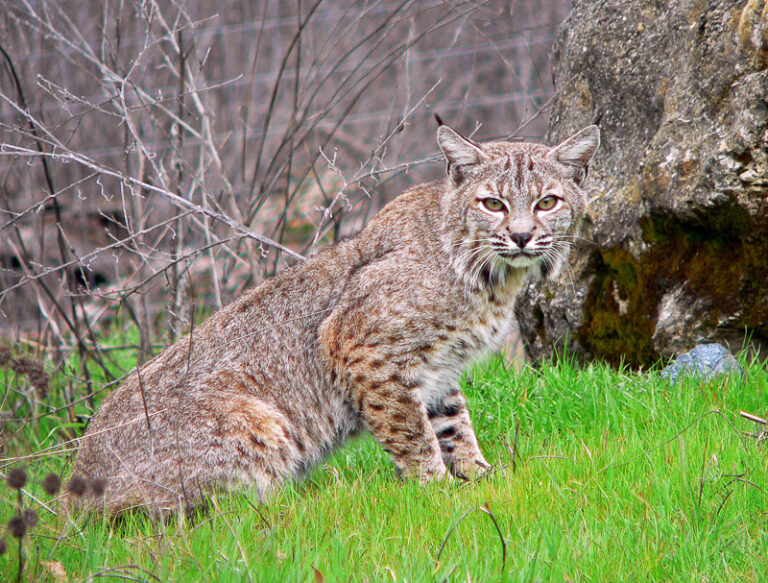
(83, 160)
(449, 533)
(485, 509)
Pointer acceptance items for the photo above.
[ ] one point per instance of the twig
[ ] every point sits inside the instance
(448, 534)
(176, 317)
(754, 418)
(175, 199)
(487, 510)
(761, 435)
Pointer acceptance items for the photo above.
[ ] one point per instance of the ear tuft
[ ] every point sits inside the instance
(460, 153)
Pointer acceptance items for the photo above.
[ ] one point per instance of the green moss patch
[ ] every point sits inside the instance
(724, 260)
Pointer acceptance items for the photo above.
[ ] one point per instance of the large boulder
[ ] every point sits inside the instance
(675, 248)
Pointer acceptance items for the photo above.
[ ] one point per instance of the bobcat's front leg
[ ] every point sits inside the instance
(398, 420)
(453, 428)
(389, 406)
(367, 359)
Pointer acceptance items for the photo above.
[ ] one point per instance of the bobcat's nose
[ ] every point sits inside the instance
(521, 239)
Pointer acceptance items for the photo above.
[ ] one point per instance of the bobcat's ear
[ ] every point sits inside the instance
(577, 151)
(460, 153)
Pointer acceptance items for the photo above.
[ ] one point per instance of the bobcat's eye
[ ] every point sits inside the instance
(547, 203)
(493, 204)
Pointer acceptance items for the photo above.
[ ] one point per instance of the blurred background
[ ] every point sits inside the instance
(159, 157)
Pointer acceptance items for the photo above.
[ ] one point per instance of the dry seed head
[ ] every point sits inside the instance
(77, 486)
(25, 365)
(5, 355)
(17, 527)
(34, 370)
(16, 478)
(30, 518)
(97, 486)
(51, 484)
(40, 381)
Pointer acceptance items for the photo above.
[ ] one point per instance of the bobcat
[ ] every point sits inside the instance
(372, 333)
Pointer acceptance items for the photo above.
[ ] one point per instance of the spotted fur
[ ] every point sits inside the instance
(370, 334)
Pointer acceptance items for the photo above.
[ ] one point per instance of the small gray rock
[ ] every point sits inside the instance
(705, 361)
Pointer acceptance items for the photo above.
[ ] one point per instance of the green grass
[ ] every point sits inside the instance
(616, 476)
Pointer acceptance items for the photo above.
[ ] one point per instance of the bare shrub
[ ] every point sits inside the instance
(162, 155)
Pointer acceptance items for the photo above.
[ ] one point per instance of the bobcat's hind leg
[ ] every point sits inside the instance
(251, 442)
(453, 427)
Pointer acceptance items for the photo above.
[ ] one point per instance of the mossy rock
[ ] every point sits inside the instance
(679, 217)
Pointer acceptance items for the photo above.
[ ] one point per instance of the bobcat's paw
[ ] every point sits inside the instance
(470, 468)
(424, 472)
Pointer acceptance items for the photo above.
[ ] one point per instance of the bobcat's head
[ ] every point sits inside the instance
(514, 206)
